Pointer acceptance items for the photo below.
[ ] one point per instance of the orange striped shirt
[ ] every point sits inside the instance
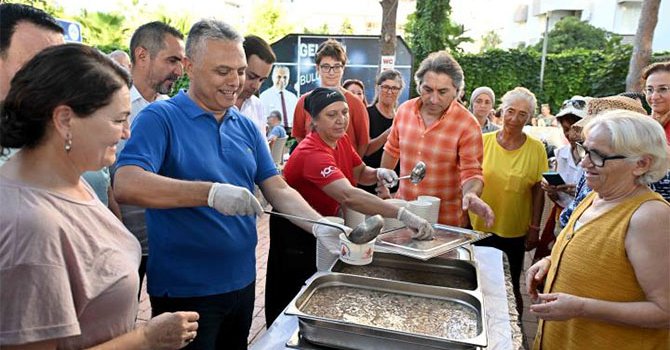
(451, 148)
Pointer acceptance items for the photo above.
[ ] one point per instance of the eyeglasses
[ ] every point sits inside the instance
(578, 104)
(390, 89)
(596, 158)
(326, 68)
(661, 90)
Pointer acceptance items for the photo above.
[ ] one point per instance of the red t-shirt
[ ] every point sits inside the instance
(314, 164)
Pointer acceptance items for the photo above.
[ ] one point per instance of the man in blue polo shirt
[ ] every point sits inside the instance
(193, 162)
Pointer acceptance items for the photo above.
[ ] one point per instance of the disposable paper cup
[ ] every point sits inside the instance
(352, 218)
(356, 254)
(324, 257)
(434, 208)
(393, 223)
(420, 208)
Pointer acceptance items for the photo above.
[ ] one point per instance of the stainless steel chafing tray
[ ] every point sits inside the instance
(446, 238)
(438, 272)
(464, 252)
(349, 333)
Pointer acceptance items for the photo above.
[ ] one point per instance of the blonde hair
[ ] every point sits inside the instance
(635, 135)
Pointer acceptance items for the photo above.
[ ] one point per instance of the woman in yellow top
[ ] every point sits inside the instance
(607, 281)
(513, 166)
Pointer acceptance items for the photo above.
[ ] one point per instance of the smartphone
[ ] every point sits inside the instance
(553, 178)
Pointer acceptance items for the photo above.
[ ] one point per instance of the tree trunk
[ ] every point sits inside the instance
(642, 47)
(388, 36)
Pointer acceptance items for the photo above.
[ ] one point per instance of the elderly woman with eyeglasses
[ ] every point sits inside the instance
(388, 86)
(594, 107)
(606, 284)
(331, 59)
(513, 166)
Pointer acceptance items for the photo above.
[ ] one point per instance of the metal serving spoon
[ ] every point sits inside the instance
(417, 174)
(362, 233)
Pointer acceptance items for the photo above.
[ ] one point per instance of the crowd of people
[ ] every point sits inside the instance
(176, 198)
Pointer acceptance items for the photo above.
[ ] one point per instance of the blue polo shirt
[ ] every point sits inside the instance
(197, 251)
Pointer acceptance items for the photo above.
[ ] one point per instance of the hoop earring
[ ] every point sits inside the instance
(68, 144)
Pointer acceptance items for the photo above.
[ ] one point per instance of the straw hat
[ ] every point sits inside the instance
(596, 106)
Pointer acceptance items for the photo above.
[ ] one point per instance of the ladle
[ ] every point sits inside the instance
(417, 174)
(362, 233)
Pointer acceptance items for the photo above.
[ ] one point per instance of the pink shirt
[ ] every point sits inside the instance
(68, 269)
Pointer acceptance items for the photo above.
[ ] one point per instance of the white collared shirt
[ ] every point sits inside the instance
(252, 108)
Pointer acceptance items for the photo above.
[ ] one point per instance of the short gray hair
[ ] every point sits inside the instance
(209, 29)
(520, 93)
(635, 135)
(440, 62)
(388, 74)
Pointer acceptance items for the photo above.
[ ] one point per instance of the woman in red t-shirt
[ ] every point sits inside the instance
(324, 169)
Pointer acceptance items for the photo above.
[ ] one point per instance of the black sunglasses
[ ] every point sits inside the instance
(579, 104)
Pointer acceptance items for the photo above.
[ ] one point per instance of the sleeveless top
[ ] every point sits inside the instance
(592, 262)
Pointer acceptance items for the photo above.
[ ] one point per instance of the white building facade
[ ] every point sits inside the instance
(527, 23)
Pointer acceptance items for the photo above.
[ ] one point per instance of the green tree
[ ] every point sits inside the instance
(103, 29)
(571, 33)
(269, 21)
(346, 27)
(430, 29)
(182, 24)
(491, 40)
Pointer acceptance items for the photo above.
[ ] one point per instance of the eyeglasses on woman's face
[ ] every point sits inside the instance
(594, 156)
(389, 88)
(326, 68)
(661, 90)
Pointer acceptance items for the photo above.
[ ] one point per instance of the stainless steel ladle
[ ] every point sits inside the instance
(417, 174)
(362, 233)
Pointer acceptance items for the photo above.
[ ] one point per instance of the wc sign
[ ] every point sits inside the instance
(388, 62)
(71, 30)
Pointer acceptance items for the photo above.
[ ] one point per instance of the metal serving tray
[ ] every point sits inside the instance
(437, 271)
(461, 253)
(345, 334)
(446, 238)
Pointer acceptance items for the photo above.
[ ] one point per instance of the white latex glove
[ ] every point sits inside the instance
(387, 176)
(233, 200)
(423, 230)
(329, 236)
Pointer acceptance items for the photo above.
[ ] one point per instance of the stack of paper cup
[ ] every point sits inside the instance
(420, 208)
(391, 223)
(324, 257)
(352, 218)
(434, 208)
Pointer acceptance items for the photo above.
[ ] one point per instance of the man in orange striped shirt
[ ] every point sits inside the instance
(436, 129)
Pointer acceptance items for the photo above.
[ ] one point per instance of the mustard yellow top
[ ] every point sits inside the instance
(592, 262)
(509, 177)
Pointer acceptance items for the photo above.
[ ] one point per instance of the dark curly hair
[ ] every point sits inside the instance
(75, 75)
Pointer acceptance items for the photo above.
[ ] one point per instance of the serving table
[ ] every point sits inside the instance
(500, 310)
